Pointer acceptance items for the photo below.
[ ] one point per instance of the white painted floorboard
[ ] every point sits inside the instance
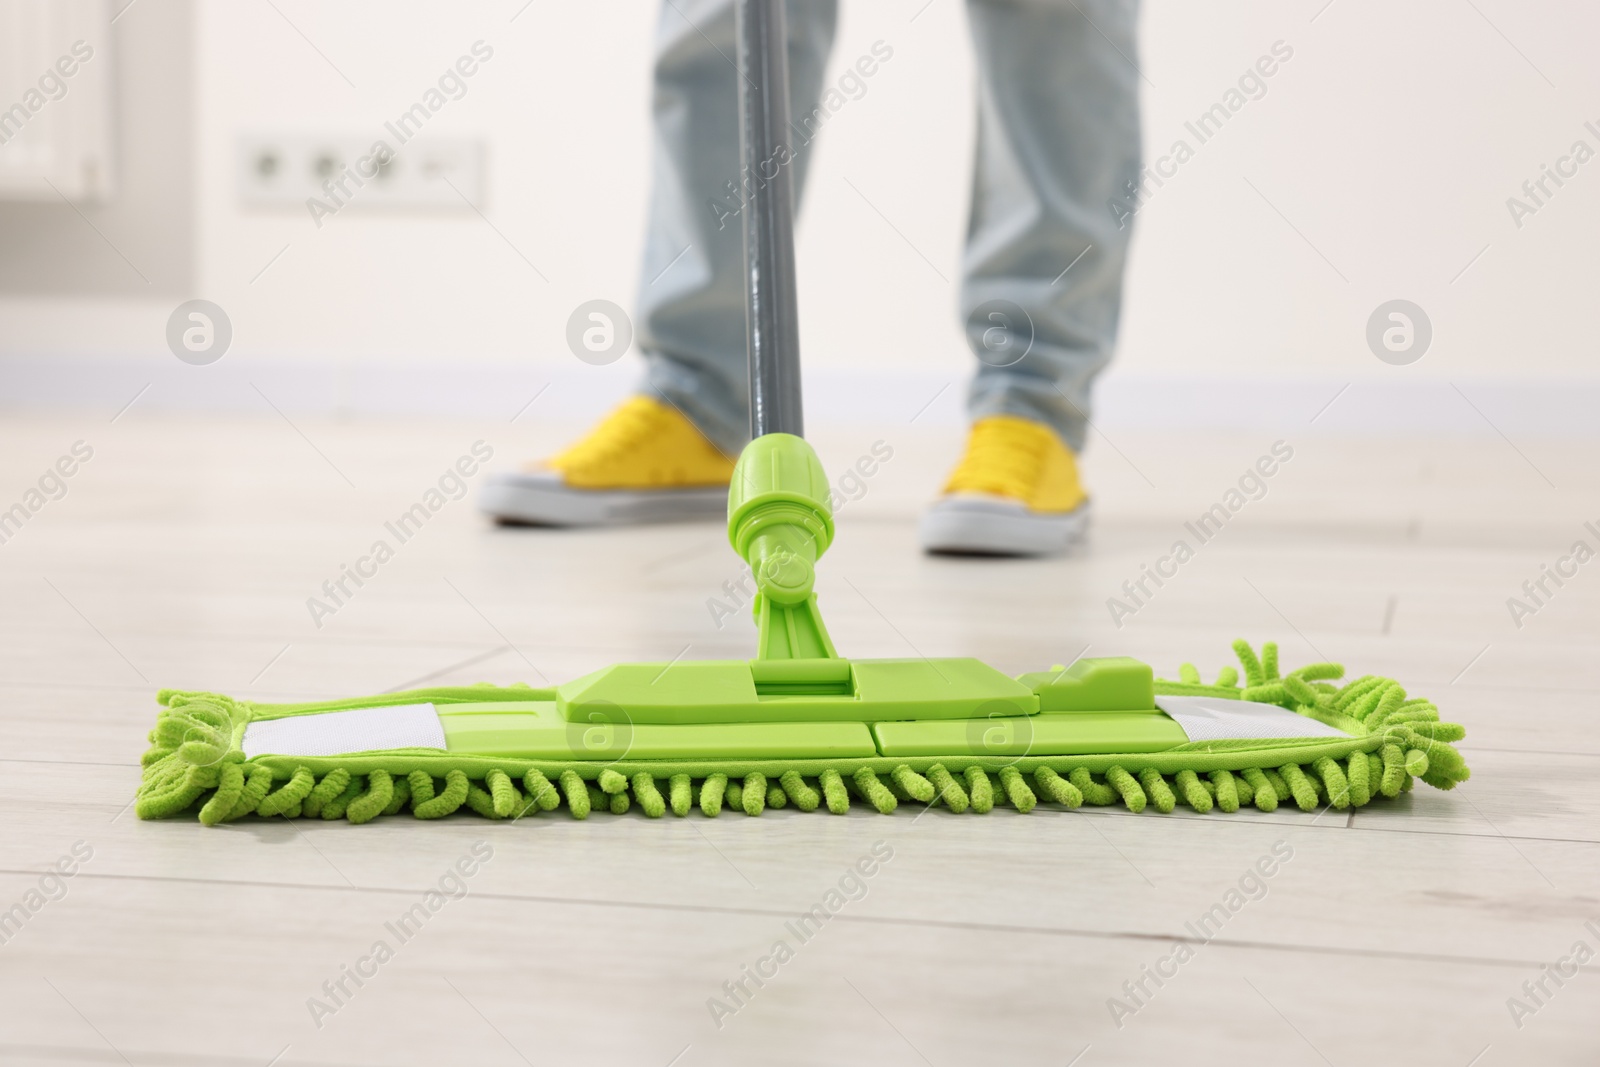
(183, 554)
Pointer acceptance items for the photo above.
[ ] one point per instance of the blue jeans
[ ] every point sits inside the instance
(1041, 292)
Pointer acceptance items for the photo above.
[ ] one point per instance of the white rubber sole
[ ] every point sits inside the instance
(979, 525)
(541, 499)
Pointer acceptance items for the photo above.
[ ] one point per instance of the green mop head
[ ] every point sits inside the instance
(1374, 742)
(799, 725)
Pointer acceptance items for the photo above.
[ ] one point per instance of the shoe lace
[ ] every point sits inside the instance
(1001, 458)
(632, 423)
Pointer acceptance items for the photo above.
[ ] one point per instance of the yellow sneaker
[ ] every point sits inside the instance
(645, 462)
(1014, 493)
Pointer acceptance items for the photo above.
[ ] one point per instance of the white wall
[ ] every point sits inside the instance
(1390, 141)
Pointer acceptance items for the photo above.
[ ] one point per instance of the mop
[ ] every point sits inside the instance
(798, 725)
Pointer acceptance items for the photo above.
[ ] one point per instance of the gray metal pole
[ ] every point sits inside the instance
(772, 327)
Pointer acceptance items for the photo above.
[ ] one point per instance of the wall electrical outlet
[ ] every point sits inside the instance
(433, 173)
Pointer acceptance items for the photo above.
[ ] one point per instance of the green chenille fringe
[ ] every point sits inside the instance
(195, 764)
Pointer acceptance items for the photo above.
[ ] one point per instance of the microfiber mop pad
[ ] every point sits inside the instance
(224, 759)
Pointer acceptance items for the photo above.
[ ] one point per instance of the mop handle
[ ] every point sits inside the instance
(772, 330)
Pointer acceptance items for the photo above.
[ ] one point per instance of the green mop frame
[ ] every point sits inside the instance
(780, 522)
(196, 764)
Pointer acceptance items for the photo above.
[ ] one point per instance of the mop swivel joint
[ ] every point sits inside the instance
(780, 521)
(785, 577)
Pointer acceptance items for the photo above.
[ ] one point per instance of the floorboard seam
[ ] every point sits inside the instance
(868, 920)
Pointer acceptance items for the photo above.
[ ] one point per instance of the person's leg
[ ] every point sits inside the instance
(1058, 140)
(691, 305)
(666, 455)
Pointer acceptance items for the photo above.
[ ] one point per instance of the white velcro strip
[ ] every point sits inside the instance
(1221, 719)
(334, 733)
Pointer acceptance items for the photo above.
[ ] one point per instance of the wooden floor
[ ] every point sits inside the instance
(184, 552)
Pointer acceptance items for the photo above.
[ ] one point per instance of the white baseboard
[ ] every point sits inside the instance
(1364, 407)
